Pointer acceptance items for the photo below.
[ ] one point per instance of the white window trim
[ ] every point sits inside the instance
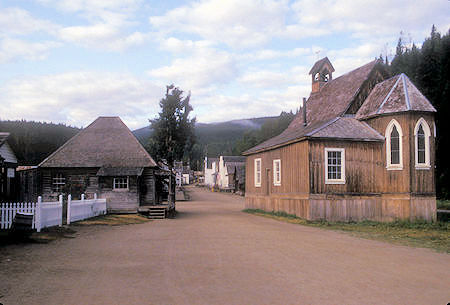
(58, 182)
(335, 181)
(121, 189)
(258, 183)
(427, 131)
(275, 181)
(387, 135)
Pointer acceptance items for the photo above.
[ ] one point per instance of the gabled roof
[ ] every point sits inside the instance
(210, 161)
(106, 142)
(394, 95)
(324, 108)
(319, 65)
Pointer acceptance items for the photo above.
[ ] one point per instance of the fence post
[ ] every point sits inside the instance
(69, 200)
(61, 211)
(38, 214)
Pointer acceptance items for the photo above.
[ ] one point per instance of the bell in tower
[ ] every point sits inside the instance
(321, 73)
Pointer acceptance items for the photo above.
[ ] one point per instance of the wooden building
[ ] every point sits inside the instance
(104, 158)
(226, 171)
(361, 148)
(8, 165)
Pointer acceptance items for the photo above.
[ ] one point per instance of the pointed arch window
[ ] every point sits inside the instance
(394, 147)
(422, 135)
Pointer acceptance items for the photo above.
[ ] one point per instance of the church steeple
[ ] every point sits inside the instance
(321, 73)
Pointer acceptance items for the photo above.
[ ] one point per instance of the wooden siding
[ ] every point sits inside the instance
(362, 166)
(371, 191)
(120, 201)
(85, 180)
(349, 207)
(294, 171)
(409, 179)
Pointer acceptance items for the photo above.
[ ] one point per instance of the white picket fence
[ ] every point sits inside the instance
(49, 214)
(46, 214)
(82, 209)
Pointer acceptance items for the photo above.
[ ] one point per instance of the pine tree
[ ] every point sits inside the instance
(173, 131)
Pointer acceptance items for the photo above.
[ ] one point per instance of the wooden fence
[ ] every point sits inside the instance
(49, 214)
(46, 214)
(83, 209)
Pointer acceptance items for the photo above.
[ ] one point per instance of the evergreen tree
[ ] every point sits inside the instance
(173, 131)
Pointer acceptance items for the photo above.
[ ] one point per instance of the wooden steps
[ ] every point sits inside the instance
(154, 211)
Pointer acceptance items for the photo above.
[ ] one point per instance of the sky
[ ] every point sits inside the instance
(70, 61)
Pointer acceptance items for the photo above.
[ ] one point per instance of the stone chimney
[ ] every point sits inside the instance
(321, 74)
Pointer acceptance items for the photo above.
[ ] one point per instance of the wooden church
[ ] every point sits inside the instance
(362, 148)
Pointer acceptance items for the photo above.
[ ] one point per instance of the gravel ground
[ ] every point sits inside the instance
(212, 253)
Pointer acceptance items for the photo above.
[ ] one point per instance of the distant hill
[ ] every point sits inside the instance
(215, 134)
(32, 142)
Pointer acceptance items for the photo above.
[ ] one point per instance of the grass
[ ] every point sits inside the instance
(113, 220)
(416, 234)
(443, 204)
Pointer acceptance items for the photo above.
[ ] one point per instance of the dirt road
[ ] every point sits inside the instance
(212, 253)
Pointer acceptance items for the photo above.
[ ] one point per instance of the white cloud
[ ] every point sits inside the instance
(77, 98)
(236, 23)
(203, 68)
(13, 49)
(383, 18)
(102, 36)
(16, 21)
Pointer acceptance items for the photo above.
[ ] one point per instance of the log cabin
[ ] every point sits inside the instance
(104, 158)
(361, 148)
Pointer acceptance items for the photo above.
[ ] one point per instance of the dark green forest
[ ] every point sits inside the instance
(32, 142)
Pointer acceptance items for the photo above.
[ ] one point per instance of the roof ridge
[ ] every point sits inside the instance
(389, 94)
(328, 123)
(405, 89)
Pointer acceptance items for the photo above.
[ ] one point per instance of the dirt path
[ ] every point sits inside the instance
(215, 254)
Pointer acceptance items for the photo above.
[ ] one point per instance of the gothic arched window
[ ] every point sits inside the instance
(394, 134)
(422, 144)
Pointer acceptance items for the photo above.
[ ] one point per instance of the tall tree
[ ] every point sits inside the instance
(173, 131)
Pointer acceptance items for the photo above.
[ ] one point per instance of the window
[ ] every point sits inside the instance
(394, 159)
(422, 144)
(58, 182)
(258, 172)
(277, 172)
(334, 166)
(120, 183)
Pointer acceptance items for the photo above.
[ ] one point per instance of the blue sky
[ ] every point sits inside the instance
(70, 61)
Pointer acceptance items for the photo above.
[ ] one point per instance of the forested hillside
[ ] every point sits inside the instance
(32, 142)
(428, 68)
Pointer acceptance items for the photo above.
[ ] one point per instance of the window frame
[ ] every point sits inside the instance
(276, 182)
(427, 133)
(258, 183)
(126, 183)
(58, 182)
(389, 128)
(342, 165)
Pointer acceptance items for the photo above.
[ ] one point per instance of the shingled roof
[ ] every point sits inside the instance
(394, 95)
(325, 109)
(106, 142)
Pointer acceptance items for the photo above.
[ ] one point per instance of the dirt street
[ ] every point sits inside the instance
(212, 253)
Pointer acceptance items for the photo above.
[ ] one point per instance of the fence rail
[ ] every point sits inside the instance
(49, 214)
(82, 209)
